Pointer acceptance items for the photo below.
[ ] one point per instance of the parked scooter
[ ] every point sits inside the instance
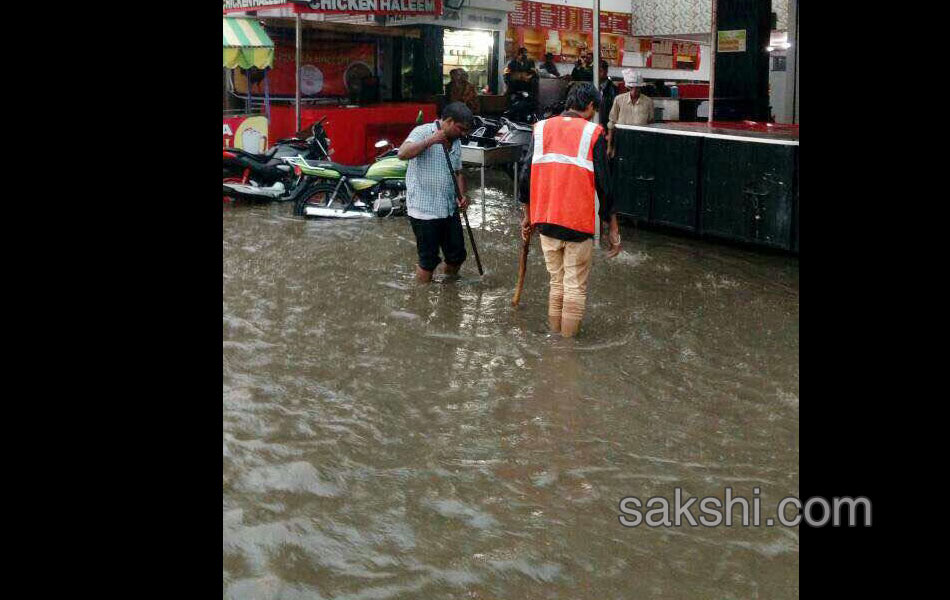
(265, 177)
(345, 192)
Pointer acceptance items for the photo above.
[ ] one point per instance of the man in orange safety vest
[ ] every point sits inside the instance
(565, 166)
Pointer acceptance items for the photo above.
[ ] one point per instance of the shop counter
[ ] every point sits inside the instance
(486, 157)
(657, 176)
(354, 131)
(736, 181)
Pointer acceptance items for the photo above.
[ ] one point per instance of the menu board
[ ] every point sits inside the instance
(611, 22)
(566, 18)
(565, 31)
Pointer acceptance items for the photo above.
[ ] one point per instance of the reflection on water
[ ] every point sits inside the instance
(386, 440)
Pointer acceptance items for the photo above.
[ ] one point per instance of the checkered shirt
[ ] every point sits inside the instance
(430, 193)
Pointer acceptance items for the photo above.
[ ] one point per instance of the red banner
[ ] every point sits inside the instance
(566, 18)
(332, 70)
(372, 7)
(353, 7)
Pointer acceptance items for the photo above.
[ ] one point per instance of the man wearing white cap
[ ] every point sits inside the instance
(629, 109)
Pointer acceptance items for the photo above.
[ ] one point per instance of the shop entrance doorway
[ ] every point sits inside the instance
(472, 50)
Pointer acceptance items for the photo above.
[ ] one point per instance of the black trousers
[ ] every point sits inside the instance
(435, 234)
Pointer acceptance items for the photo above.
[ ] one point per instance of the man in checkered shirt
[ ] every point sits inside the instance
(431, 204)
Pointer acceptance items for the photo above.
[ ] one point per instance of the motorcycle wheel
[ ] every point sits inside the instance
(318, 196)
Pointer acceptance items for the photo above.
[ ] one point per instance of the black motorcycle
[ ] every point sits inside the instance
(484, 132)
(268, 176)
(522, 107)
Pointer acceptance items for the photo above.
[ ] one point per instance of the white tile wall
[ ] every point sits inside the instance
(671, 17)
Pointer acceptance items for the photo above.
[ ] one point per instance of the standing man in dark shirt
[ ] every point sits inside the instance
(584, 71)
(608, 91)
(564, 166)
(520, 73)
(549, 66)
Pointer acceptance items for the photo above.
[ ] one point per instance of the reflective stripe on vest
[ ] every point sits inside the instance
(562, 173)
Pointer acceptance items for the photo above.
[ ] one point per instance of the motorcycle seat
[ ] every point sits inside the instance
(352, 171)
(346, 170)
(261, 158)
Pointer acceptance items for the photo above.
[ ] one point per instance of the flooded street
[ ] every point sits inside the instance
(388, 440)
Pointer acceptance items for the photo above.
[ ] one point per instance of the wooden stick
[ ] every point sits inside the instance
(471, 238)
(458, 194)
(522, 269)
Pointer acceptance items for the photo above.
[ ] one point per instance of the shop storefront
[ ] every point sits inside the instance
(359, 74)
(472, 50)
(566, 32)
(249, 50)
(469, 37)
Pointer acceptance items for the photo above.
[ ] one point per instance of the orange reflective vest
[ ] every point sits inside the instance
(562, 173)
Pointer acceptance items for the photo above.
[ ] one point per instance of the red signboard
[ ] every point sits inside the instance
(352, 7)
(329, 70)
(565, 18)
(245, 5)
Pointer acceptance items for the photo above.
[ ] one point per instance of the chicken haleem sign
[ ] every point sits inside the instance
(356, 7)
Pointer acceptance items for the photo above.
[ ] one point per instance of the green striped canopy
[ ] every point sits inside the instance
(246, 44)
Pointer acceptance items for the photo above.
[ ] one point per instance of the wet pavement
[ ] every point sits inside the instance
(388, 440)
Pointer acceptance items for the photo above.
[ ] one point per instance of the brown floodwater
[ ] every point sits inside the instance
(384, 439)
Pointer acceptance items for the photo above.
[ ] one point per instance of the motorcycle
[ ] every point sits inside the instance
(268, 176)
(483, 132)
(346, 192)
(514, 134)
(522, 108)
(488, 133)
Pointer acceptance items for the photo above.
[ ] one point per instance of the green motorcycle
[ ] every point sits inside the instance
(344, 192)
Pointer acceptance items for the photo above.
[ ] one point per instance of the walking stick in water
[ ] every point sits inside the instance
(522, 268)
(458, 194)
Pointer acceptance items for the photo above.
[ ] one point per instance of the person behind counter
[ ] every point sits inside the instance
(548, 68)
(461, 90)
(608, 92)
(453, 79)
(584, 71)
(520, 73)
(629, 109)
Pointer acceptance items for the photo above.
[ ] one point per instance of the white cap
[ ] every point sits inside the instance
(632, 78)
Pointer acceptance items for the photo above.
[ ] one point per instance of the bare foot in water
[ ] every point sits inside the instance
(423, 276)
(451, 272)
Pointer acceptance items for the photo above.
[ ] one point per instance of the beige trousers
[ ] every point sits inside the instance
(569, 266)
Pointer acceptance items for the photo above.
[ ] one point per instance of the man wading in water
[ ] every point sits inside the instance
(565, 163)
(431, 204)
